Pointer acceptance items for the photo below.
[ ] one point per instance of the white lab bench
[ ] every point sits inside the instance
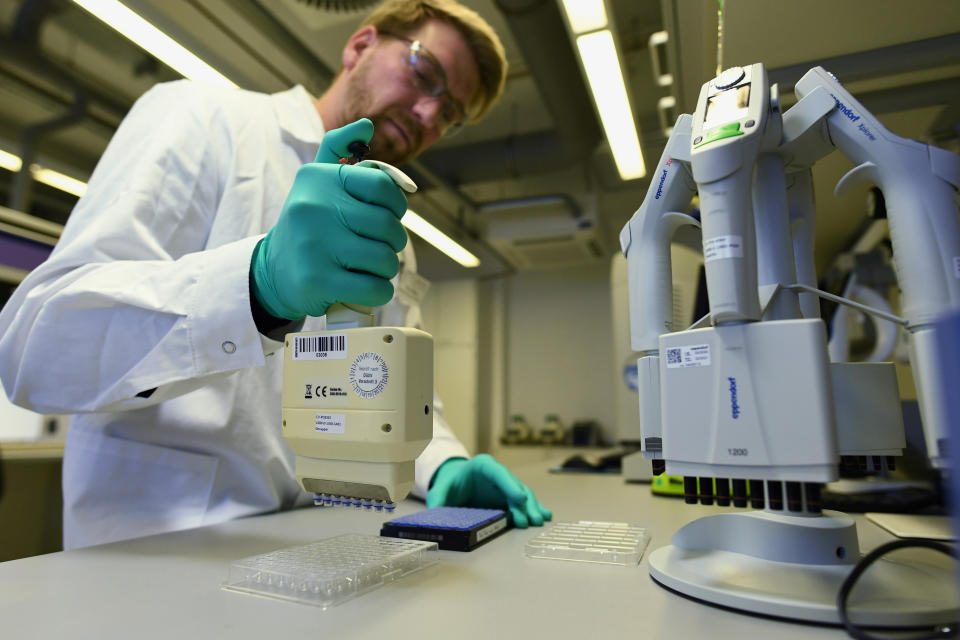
(168, 586)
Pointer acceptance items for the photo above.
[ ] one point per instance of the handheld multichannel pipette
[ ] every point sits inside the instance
(358, 401)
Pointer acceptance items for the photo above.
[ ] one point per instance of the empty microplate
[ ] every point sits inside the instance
(330, 571)
(587, 541)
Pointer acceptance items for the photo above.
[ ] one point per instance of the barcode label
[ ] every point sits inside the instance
(332, 347)
(697, 355)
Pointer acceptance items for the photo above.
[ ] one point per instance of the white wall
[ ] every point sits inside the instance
(17, 423)
(559, 346)
(450, 313)
(534, 343)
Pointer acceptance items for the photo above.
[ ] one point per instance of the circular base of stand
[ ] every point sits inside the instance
(888, 594)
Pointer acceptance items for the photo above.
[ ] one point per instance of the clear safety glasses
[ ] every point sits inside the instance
(431, 80)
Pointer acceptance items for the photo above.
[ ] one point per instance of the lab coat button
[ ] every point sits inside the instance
(228, 347)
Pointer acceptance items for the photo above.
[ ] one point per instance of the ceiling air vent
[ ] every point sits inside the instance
(550, 234)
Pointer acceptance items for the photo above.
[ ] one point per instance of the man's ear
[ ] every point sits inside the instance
(358, 43)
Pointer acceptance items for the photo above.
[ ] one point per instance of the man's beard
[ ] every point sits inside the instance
(382, 147)
(387, 149)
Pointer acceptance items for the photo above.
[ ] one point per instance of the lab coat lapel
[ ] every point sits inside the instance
(300, 123)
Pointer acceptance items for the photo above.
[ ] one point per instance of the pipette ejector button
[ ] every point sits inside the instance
(729, 77)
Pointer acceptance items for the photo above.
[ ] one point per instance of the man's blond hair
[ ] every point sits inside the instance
(404, 16)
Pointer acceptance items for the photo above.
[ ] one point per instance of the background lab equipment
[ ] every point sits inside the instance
(773, 411)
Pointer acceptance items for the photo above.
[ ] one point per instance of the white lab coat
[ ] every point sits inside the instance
(148, 289)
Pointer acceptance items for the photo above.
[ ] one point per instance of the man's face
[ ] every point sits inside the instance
(382, 87)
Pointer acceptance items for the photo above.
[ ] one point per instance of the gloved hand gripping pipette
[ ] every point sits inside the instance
(358, 403)
(766, 410)
(357, 399)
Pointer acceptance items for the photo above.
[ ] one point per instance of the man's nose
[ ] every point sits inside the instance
(427, 109)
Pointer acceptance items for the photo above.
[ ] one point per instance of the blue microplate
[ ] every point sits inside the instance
(453, 528)
(450, 518)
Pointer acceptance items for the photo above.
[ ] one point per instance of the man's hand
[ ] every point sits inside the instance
(337, 237)
(484, 482)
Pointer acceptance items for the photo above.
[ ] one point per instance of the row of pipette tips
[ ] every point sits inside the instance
(330, 500)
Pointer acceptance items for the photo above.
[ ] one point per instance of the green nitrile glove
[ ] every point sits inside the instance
(484, 482)
(337, 237)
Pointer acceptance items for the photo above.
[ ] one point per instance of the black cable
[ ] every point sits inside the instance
(942, 631)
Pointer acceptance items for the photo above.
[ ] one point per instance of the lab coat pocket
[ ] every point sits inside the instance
(115, 488)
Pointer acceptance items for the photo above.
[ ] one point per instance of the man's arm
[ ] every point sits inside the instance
(129, 309)
(444, 446)
(447, 476)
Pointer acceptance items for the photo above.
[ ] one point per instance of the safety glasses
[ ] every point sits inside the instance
(430, 79)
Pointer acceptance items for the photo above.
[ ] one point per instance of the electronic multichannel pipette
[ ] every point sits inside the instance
(358, 402)
(773, 417)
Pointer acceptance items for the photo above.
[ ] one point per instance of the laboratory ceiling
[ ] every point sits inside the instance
(534, 184)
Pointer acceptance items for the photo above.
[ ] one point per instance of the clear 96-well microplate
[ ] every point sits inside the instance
(331, 571)
(586, 541)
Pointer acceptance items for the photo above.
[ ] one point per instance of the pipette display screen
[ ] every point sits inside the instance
(727, 105)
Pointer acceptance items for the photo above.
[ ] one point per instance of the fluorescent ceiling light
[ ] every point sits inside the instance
(410, 220)
(48, 177)
(9, 161)
(585, 15)
(154, 41)
(602, 66)
(58, 180)
(437, 238)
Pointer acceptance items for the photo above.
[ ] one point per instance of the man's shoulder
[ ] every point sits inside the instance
(200, 94)
(207, 107)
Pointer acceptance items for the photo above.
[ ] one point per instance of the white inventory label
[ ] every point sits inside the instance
(333, 347)
(411, 287)
(491, 529)
(697, 355)
(722, 247)
(330, 423)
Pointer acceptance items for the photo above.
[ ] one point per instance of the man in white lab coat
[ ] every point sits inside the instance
(158, 316)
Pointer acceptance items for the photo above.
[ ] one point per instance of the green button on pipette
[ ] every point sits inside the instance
(721, 132)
